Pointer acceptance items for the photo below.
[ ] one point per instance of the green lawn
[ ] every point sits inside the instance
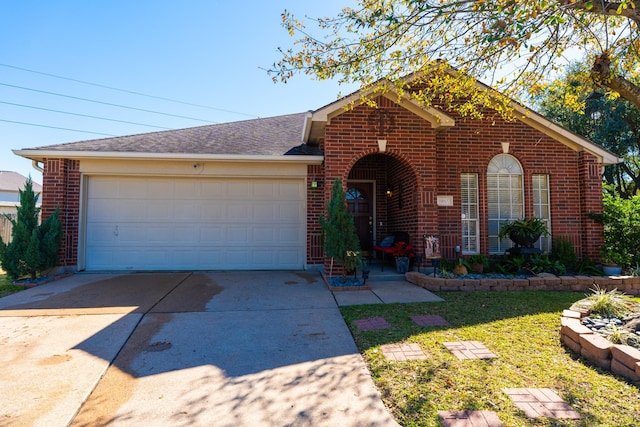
(522, 328)
(6, 286)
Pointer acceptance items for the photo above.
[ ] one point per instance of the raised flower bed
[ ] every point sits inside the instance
(630, 285)
(621, 359)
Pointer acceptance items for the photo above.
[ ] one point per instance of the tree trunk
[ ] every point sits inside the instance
(601, 74)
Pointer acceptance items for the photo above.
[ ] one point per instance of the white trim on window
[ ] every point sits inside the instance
(505, 198)
(542, 207)
(469, 214)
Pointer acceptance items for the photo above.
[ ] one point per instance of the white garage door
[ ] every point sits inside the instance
(201, 224)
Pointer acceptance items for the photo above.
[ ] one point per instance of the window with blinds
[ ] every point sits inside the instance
(469, 192)
(505, 201)
(541, 207)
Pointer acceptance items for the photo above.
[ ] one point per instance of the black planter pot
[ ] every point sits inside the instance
(524, 241)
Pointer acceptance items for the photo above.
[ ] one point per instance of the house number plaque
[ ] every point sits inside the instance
(445, 200)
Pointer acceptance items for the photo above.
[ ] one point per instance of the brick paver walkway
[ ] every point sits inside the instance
(430, 320)
(469, 419)
(541, 402)
(467, 350)
(372, 324)
(402, 352)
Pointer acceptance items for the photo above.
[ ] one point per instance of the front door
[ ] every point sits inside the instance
(360, 203)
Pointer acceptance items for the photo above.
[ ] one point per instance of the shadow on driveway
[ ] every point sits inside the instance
(254, 348)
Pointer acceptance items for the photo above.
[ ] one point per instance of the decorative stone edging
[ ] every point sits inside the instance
(622, 360)
(630, 285)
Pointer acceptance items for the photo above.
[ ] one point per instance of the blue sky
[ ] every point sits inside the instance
(200, 52)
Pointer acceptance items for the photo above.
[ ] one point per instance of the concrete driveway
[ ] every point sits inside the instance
(182, 349)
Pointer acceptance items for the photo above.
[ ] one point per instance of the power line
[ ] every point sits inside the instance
(83, 115)
(128, 91)
(55, 127)
(105, 103)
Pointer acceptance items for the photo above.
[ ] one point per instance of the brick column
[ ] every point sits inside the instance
(590, 202)
(61, 189)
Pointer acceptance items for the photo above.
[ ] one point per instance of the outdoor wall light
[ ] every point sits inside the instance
(389, 191)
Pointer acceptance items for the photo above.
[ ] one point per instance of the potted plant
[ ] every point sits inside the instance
(477, 262)
(613, 261)
(460, 269)
(402, 252)
(524, 232)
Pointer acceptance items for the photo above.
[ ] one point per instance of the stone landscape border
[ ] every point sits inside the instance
(630, 285)
(622, 360)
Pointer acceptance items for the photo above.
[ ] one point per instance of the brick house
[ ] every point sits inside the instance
(248, 195)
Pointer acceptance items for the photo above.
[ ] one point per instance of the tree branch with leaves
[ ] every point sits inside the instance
(390, 39)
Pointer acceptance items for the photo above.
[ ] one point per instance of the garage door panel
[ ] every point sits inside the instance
(288, 191)
(183, 188)
(264, 236)
(101, 233)
(238, 212)
(187, 210)
(183, 235)
(212, 189)
(130, 189)
(238, 190)
(165, 224)
(288, 212)
(289, 235)
(211, 210)
(101, 209)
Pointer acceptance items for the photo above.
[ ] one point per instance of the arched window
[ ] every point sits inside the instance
(354, 194)
(505, 201)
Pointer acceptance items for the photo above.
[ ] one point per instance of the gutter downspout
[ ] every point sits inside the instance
(35, 165)
(306, 130)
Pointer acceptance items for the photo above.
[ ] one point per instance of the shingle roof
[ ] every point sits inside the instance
(269, 136)
(13, 181)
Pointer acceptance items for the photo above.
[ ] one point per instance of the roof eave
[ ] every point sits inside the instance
(40, 155)
(568, 138)
(557, 132)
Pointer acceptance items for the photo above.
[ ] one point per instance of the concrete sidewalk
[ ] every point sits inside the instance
(223, 349)
(386, 292)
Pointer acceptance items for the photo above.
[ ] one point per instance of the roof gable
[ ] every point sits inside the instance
(316, 121)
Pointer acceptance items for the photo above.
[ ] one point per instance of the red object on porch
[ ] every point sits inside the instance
(387, 244)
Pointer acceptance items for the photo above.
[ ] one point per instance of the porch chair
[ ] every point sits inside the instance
(387, 244)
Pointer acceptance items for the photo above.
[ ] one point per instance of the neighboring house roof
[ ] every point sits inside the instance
(13, 181)
(272, 136)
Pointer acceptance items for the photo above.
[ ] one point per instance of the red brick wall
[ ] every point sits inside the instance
(421, 164)
(315, 208)
(61, 188)
(590, 202)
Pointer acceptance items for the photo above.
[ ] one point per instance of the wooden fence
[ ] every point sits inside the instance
(5, 227)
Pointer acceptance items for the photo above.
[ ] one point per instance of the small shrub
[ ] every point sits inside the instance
(562, 250)
(33, 248)
(618, 336)
(608, 303)
(339, 231)
(621, 222)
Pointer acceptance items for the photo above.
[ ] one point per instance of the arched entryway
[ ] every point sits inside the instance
(382, 194)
